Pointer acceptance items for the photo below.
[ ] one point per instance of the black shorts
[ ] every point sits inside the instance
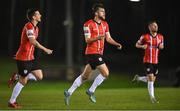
(151, 68)
(25, 67)
(94, 60)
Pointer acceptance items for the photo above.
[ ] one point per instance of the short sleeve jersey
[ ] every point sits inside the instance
(152, 51)
(26, 49)
(93, 29)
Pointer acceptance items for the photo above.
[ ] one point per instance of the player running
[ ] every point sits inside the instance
(28, 67)
(152, 43)
(96, 31)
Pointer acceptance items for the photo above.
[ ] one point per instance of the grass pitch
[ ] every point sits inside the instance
(116, 93)
(45, 95)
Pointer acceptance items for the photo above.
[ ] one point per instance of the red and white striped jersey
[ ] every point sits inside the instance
(26, 49)
(152, 50)
(93, 29)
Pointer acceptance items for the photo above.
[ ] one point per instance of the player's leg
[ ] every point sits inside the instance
(151, 84)
(104, 72)
(16, 91)
(36, 75)
(78, 81)
(82, 78)
(139, 78)
(36, 72)
(13, 78)
(151, 79)
(23, 71)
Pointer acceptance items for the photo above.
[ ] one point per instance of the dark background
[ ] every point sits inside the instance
(127, 21)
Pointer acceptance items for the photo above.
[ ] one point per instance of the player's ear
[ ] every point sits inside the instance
(96, 13)
(33, 17)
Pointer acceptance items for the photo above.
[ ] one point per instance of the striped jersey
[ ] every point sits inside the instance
(93, 29)
(26, 49)
(152, 51)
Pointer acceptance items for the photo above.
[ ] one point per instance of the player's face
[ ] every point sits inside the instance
(153, 27)
(101, 13)
(37, 16)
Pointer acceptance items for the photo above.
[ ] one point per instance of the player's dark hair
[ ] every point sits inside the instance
(30, 13)
(96, 6)
(152, 21)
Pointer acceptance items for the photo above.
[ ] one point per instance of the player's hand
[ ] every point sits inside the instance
(48, 51)
(119, 46)
(100, 37)
(144, 46)
(161, 46)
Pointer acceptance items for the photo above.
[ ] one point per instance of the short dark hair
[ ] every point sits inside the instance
(96, 6)
(30, 13)
(152, 21)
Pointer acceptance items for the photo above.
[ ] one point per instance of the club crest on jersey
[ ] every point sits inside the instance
(100, 59)
(25, 71)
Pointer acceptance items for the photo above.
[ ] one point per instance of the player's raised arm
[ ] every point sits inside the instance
(34, 42)
(110, 40)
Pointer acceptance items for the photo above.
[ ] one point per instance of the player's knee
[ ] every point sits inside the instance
(151, 77)
(154, 78)
(23, 81)
(40, 77)
(106, 74)
(84, 78)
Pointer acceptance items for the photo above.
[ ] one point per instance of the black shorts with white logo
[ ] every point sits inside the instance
(25, 67)
(151, 68)
(94, 60)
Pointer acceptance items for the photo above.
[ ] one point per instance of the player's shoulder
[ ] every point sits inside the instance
(90, 21)
(29, 25)
(104, 22)
(160, 35)
(145, 35)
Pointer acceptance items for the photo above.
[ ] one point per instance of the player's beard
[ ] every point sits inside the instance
(39, 20)
(155, 30)
(101, 17)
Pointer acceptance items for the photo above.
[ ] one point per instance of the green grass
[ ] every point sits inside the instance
(49, 95)
(117, 92)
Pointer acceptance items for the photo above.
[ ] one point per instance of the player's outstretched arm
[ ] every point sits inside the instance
(110, 40)
(38, 45)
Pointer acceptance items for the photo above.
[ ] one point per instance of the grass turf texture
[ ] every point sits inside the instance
(117, 92)
(49, 95)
